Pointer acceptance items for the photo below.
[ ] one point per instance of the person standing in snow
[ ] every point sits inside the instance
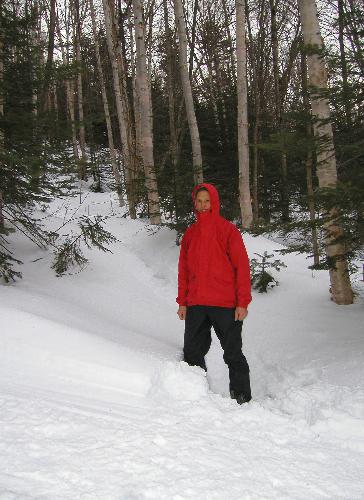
(214, 289)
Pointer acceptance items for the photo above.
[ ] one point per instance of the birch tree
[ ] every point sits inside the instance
(171, 93)
(326, 161)
(309, 164)
(77, 41)
(105, 103)
(122, 107)
(145, 114)
(187, 93)
(243, 146)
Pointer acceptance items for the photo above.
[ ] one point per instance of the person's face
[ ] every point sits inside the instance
(202, 201)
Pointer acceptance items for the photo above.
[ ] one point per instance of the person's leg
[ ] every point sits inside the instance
(228, 332)
(197, 339)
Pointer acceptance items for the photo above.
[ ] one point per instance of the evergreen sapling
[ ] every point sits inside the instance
(261, 278)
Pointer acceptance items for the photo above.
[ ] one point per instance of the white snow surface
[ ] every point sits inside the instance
(95, 402)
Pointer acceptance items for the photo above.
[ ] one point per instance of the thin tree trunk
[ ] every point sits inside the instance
(120, 50)
(69, 95)
(145, 114)
(278, 109)
(326, 161)
(309, 165)
(106, 108)
(82, 131)
(255, 50)
(193, 39)
(187, 93)
(70, 89)
(256, 156)
(137, 119)
(171, 103)
(120, 108)
(243, 145)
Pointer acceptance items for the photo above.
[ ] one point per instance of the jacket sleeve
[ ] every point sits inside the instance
(182, 273)
(239, 259)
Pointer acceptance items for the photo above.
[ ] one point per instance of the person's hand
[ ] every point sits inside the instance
(240, 313)
(182, 312)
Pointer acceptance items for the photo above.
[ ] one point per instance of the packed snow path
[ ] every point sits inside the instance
(95, 403)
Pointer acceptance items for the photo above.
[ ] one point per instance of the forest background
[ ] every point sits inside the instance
(263, 99)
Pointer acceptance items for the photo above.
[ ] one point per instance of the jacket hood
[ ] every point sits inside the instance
(214, 198)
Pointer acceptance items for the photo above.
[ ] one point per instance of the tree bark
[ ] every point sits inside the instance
(121, 107)
(326, 161)
(256, 47)
(309, 165)
(243, 144)
(171, 101)
(136, 106)
(81, 118)
(187, 93)
(278, 109)
(145, 115)
(106, 108)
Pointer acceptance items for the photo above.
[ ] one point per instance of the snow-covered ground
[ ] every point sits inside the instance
(96, 404)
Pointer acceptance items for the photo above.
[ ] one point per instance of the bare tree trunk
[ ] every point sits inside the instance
(69, 95)
(278, 108)
(309, 165)
(326, 161)
(137, 119)
(122, 111)
(77, 30)
(256, 157)
(243, 144)
(193, 39)
(171, 101)
(145, 114)
(70, 89)
(106, 109)
(256, 49)
(187, 93)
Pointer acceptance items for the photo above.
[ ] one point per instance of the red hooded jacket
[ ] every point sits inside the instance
(213, 268)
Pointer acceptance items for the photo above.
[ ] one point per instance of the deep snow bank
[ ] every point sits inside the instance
(95, 402)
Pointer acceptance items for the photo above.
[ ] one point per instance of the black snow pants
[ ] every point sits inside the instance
(197, 342)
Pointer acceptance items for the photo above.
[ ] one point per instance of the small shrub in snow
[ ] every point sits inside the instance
(261, 278)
